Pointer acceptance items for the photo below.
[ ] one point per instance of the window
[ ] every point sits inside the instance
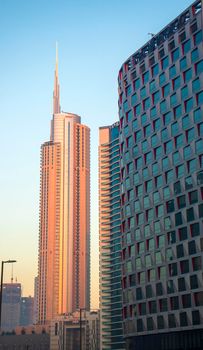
(155, 70)
(159, 181)
(157, 227)
(145, 77)
(164, 134)
(170, 287)
(184, 266)
(156, 97)
(139, 190)
(182, 233)
(199, 67)
(146, 202)
(143, 119)
(179, 141)
(166, 90)
(196, 85)
(137, 109)
(197, 263)
(173, 99)
(180, 251)
(186, 46)
(198, 37)
(176, 158)
(184, 92)
(169, 176)
(194, 282)
(148, 260)
(183, 63)
(171, 237)
(137, 83)
(187, 75)
(139, 293)
(178, 219)
(195, 231)
(168, 147)
(155, 169)
(158, 257)
(176, 83)
(143, 92)
(157, 124)
(145, 173)
(163, 304)
(147, 231)
(135, 124)
(165, 163)
(170, 206)
(149, 292)
(194, 55)
(177, 187)
(152, 275)
(156, 197)
(183, 319)
(181, 284)
(160, 210)
(192, 248)
(165, 62)
(175, 54)
(173, 271)
(137, 206)
(152, 86)
(174, 303)
(181, 202)
(162, 78)
(174, 129)
(178, 111)
(163, 106)
(172, 71)
(158, 152)
(145, 146)
(200, 98)
(166, 192)
(195, 317)
(149, 186)
(167, 223)
(192, 165)
(186, 122)
(167, 118)
(180, 171)
(188, 182)
(133, 100)
(159, 289)
(187, 152)
(193, 197)
(188, 105)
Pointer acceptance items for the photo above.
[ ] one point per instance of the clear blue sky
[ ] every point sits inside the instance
(94, 39)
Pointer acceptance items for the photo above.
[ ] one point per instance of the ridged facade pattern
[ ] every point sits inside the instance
(111, 335)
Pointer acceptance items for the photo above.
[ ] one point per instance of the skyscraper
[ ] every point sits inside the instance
(161, 123)
(64, 239)
(11, 302)
(111, 332)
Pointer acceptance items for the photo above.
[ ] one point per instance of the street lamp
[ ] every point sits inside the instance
(81, 309)
(2, 274)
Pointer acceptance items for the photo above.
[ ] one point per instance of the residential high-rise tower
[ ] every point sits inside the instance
(111, 332)
(64, 239)
(161, 136)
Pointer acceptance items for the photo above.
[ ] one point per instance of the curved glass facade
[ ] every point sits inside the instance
(161, 130)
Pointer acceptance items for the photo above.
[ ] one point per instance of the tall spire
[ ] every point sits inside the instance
(56, 94)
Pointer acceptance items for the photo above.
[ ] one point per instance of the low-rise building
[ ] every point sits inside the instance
(76, 331)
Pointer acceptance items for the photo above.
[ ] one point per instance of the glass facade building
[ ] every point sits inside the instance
(111, 334)
(161, 145)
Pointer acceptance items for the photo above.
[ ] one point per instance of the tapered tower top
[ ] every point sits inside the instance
(56, 94)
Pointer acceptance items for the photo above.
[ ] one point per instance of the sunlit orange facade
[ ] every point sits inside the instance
(64, 242)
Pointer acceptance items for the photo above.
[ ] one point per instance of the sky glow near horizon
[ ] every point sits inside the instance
(94, 39)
